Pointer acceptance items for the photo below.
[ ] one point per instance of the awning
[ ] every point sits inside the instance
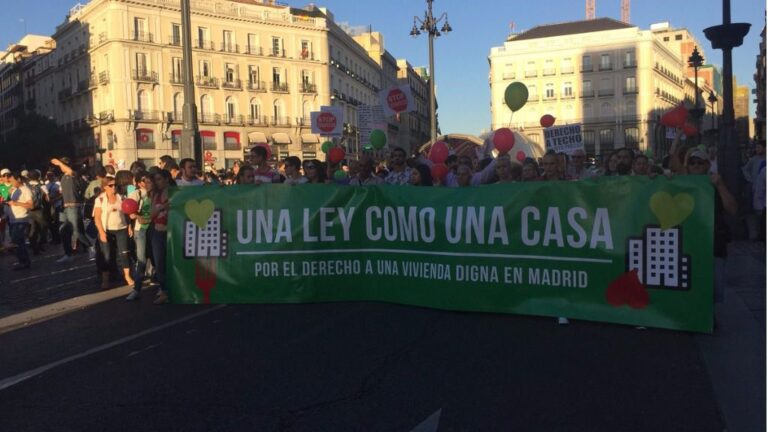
(206, 133)
(281, 138)
(309, 139)
(233, 135)
(257, 138)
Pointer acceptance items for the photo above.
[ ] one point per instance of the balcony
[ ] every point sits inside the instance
(234, 120)
(280, 87)
(254, 50)
(176, 78)
(605, 92)
(281, 121)
(531, 74)
(65, 93)
(549, 71)
(307, 55)
(208, 82)
(142, 36)
(308, 88)
(568, 95)
(630, 90)
(258, 121)
(587, 68)
(104, 77)
(234, 84)
(606, 67)
(174, 41)
(257, 86)
(277, 53)
(549, 97)
(566, 70)
(143, 75)
(204, 44)
(303, 121)
(587, 93)
(230, 47)
(630, 64)
(144, 115)
(175, 117)
(508, 75)
(207, 118)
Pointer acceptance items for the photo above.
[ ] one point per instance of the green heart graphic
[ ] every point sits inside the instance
(199, 212)
(671, 211)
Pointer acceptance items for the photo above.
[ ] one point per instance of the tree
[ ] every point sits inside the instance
(34, 142)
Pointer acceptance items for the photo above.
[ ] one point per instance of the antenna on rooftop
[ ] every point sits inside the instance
(590, 9)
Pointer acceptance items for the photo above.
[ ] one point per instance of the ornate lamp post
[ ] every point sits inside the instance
(726, 37)
(695, 61)
(712, 99)
(429, 25)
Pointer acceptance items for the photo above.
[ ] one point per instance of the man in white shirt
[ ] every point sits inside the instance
(20, 204)
(188, 174)
(365, 177)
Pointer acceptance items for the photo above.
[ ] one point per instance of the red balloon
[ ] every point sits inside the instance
(547, 121)
(503, 140)
(521, 156)
(439, 152)
(439, 171)
(690, 130)
(129, 206)
(336, 155)
(676, 117)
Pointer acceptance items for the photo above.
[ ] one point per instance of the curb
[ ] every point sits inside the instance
(47, 312)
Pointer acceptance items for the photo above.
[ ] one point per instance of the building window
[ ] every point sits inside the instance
(205, 69)
(678, 37)
(567, 89)
(178, 104)
(533, 92)
(276, 46)
(630, 85)
(229, 72)
(534, 137)
(606, 140)
(549, 68)
(306, 49)
(666, 38)
(142, 101)
(605, 62)
(530, 69)
(231, 141)
(231, 109)
(202, 38)
(229, 41)
(175, 34)
(145, 139)
(276, 76)
(175, 141)
(141, 65)
(589, 141)
(586, 63)
(549, 91)
(206, 110)
(632, 137)
(209, 140)
(255, 111)
(566, 66)
(629, 59)
(176, 70)
(586, 88)
(253, 43)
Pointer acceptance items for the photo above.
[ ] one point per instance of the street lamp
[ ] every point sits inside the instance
(695, 61)
(429, 25)
(712, 99)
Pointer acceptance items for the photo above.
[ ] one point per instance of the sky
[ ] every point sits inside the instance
(461, 57)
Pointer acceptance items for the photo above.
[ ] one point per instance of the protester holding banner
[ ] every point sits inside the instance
(188, 174)
(399, 173)
(245, 175)
(365, 177)
(159, 215)
(530, 170)
(293, 171)
(508, 171)
(263, 173)
(421, 175)
(314, 170)
(641, 165)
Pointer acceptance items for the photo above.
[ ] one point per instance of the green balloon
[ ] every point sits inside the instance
(516, 95)
(378, 139)
(326, 147)
(339, 175)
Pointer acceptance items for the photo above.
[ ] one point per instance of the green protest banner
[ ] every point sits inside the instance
(623, 249)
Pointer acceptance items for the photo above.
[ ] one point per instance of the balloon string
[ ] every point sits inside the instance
(509, 125)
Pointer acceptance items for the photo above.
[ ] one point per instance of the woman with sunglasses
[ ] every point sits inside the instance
(314, 171)
(113, 231)
(162, 180)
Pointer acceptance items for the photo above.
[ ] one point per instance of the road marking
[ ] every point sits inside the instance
(133, 353)
(51, 273)
(430, 424)
(430, 253)
(66, 283)
(12, 381)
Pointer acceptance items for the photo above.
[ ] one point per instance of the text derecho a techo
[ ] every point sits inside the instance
(573, 227)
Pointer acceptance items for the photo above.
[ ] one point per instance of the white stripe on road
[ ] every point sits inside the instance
(52, 273)
(12, 381)
(431, 253)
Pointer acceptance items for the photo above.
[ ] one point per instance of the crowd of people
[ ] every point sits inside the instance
(81, 207)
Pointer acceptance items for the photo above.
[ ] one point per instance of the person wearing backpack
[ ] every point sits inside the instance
(72, 230)
(38, 231)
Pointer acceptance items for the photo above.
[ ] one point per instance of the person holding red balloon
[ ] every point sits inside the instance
(113, 230)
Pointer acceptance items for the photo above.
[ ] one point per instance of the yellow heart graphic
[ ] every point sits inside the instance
(199, 212)
(671, 211)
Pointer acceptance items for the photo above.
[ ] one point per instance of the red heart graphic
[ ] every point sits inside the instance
(627, 289)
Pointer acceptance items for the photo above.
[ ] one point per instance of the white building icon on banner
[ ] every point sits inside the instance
(658, 258)
(207, 242)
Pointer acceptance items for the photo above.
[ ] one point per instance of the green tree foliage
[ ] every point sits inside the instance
(34, 142)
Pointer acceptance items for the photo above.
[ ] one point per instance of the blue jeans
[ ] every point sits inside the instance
(158, 257)
(72, 218)
(19, 232)
(140, 239)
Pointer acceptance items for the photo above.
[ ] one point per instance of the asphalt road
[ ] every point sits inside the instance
(121, 366)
